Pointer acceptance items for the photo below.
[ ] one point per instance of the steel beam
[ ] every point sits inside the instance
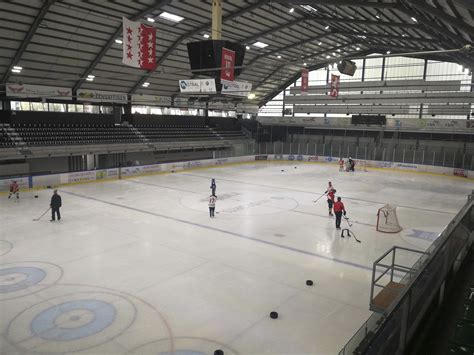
(31, 32)
(340, 3)
(457, 23)
(158, 4)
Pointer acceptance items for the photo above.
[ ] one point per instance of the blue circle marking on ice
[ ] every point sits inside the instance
(44, 324)
(184, 352)
(33, 276)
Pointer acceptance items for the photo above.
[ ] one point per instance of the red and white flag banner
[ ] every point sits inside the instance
(334, 85)
(139, 45)
(227, 64)
(304, 81)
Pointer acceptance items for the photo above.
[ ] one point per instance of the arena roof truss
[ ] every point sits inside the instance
(62, 42)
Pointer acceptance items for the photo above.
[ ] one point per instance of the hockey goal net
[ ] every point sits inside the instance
(387, 220)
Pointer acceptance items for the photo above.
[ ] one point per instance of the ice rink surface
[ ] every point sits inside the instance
(136, 266)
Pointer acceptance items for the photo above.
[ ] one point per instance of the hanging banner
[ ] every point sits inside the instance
(139, 45)
(227, 64)
(101, 96)
(334, 85)
(197, 86)
(304, 81)
(236, 88)
(35, 91)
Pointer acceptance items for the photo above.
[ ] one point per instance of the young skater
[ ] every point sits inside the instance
(212, 205)
(331, 201)
(213, 186)
(341, 164)
(339, 209)
(14, 190)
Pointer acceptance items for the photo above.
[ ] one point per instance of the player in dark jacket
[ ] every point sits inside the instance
(55, 204)
(213, 187)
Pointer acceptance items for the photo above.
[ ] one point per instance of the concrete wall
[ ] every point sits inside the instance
(48, 165)
(14, 169)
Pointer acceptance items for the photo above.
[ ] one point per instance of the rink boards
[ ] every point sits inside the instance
(43, 181)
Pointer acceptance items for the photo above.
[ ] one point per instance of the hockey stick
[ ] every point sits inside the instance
(347, 220)
(349, 234)
(324, 194)
(37, 219)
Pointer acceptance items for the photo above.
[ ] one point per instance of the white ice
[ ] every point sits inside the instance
(137, 266)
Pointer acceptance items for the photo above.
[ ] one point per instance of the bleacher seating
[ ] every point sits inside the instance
(174, 133)
(5, 141)
(74, 134)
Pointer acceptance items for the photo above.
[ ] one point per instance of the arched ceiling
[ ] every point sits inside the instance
(62, 42)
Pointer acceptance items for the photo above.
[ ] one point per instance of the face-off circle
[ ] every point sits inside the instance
(24, 278)
(183, 346)
(71, 322)
(5, 247)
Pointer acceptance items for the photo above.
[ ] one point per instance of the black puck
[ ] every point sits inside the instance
(172, 171)
(273, 315)
(295, 167)
(309, 282)
(283, 170)
(36, 196)
(218, 352)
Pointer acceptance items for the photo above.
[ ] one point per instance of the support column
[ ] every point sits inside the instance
(216, 19)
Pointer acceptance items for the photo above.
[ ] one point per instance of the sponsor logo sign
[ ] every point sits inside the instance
(405, 166)
(385, 164)
(291, 157)
(236, 88)
(299, 158)
(47, 92)
(81, 176)
(278, 157)
(221, 161)
(460, 172)
(313, 158)
(197, 86)
(101, 96)
(261, 157)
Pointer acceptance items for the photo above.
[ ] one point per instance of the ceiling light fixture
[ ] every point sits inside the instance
(327, 27)
(146, 84)
(247, 47)
(292, 10)
(279, 56)
(414, 19)
(205, 35)
(16, 70)
(260, 45)
(171, 17)
(17, 67)
(388, 52)
(150, 19)
(251, 96)
(119, 41)
(358, 49)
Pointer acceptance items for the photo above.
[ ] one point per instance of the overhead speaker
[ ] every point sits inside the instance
(207, 55)
(347, 67)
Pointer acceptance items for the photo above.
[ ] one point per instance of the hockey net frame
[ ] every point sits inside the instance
(383, 215)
